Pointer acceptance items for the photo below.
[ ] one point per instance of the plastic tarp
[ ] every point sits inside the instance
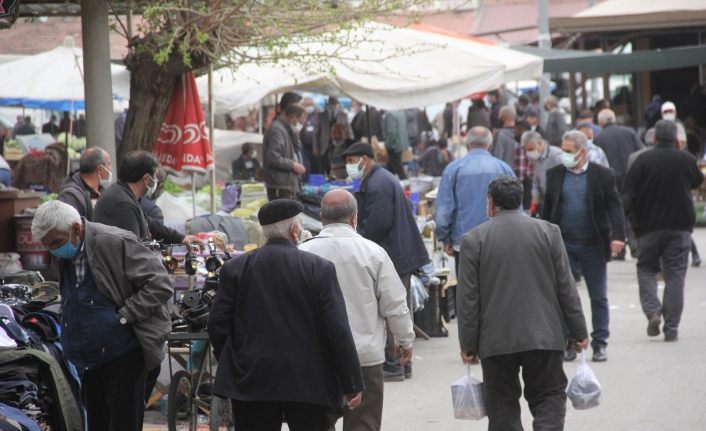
(388, 67)
(53, 80)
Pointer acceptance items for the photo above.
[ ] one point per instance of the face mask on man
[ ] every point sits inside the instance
(105, 183)
(297, 127)
(568, 160)
(254, 154)
(309, 109)
(355, 170)
(671, 116)
(151, 189)
(67, 251)
(533, 155)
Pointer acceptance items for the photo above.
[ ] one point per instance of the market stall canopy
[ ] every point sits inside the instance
(624, 15)
(53, 80)
(388, 67)
(596, 63)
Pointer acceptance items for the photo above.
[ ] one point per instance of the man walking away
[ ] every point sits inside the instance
(516, 296)
(373, 293)
(658, 199)
(505, 143)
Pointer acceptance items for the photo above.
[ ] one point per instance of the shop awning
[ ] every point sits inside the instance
(564, 60)
(624, 15)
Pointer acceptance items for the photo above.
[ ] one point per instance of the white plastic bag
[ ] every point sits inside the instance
(468, 397)
(584, 390)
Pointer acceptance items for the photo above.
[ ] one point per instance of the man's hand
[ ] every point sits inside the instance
(533, 208)
(405, 354)
(299, 169)
(449, 249)
(189, 239)
(469, 358)
(616, 247)
(580, 345)
(353, 400)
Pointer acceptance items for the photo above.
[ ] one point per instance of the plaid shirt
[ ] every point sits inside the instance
(524, 167)
(80, 262)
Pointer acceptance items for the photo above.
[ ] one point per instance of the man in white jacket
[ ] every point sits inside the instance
(373, 293)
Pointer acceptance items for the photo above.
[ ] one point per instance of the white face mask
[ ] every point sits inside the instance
(297, 127)
(151, 189)
(254, 154)
(105, 183)
(309, 109)
(533, 155)
(671, 116)
(589, 142)
(568, 160)
(354, 170)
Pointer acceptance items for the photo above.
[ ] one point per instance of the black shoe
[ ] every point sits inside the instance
(393, 374)
(408, 371)
(569, 355)
(671, 336)
(653, 325)
(599, 354)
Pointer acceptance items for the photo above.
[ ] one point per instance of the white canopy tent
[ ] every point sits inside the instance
(389, 68)
(53, 80)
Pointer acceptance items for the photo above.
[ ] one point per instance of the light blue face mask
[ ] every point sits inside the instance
(67, 251)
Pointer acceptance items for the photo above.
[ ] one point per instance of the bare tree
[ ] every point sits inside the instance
(180, 35)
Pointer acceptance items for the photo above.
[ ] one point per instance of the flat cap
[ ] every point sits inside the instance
(278, 210)
(359, 149)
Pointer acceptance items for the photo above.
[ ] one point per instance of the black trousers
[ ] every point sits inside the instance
(114, 394)
(394, 164)
(545, 389)
(273, 194)
(267, 416)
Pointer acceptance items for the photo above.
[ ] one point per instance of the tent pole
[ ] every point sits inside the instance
(210, 137)
(193, 195)
(370, 126)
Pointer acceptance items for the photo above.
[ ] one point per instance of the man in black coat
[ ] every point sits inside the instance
(658, 199)
(582, 199)
(280, 330)
(385, 217)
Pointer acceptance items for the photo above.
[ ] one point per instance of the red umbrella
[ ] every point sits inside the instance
(182, 144)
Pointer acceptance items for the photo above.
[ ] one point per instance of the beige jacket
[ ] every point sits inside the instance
(133, 277)
(371, 288)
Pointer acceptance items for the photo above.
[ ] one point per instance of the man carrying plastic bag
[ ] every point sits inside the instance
(515, 296)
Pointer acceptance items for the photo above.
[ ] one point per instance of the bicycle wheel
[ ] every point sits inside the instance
(221, 414)
(179, 411)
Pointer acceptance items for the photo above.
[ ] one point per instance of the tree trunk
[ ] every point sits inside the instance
(151, 87)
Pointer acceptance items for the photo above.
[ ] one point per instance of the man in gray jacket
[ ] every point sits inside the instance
(514, 277)
(373, 293)
(505, 144)
(282, 158)
(114, 319)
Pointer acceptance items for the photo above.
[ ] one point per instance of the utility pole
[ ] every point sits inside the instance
(545, 41)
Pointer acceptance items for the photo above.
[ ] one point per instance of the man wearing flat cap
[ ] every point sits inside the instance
(385, 217)
(280, 330)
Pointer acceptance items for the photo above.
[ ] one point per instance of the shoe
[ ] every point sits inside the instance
(671, 336)
(653, 325)
(408, 371)
(569, 355)
(599, 354)
(696, 262)
(396, 375)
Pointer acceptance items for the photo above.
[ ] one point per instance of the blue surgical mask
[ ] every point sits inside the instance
(67, 251)
(568, 160)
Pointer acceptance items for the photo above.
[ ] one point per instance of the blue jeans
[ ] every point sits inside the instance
(589, 258)
(5, 177)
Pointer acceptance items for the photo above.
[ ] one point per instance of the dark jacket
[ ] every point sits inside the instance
(280, 154)
(280, 330)
(385, 217)
(658, 190)
(75, 192)
(119, 207)
(244, 171)
(360, 124)
(618, 142)
(603, 202)
(515, 289)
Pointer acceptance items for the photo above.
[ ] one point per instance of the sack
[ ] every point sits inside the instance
(584, 390)
(468, 397)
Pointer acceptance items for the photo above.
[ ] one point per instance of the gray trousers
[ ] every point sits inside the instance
(668, 251)
(368, 415)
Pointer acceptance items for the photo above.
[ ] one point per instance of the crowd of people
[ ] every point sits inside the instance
(312, 329)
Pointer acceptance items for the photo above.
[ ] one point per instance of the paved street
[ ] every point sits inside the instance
(649, 385)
